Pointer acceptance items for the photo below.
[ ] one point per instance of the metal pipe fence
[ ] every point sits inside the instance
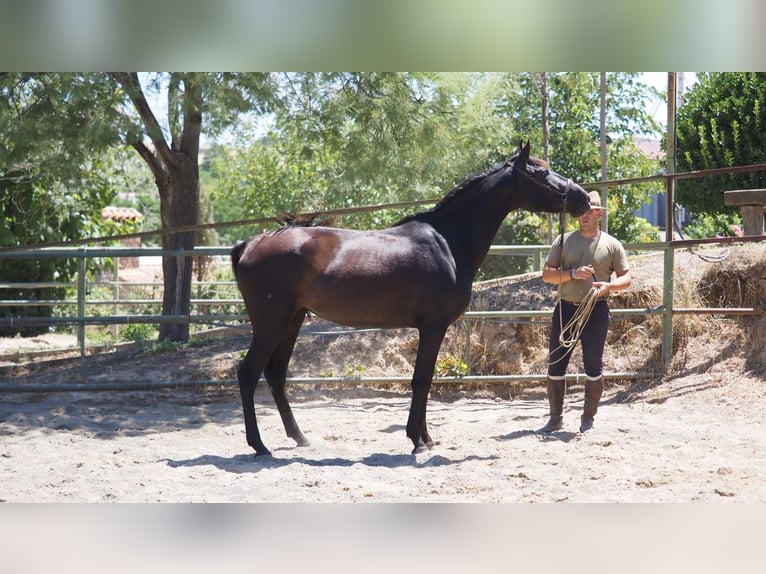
(76, 311)
(83, 285)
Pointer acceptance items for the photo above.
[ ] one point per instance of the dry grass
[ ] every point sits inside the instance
(740, 281)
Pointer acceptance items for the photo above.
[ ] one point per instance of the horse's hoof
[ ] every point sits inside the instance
(421, 448)
(261, 452)
(303, 441)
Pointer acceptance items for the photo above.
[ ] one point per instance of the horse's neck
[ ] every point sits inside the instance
(470, 228)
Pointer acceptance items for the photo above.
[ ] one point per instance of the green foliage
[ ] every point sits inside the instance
(54, 175)
(345, 140)
(714, 225)
(722, 123)
(352, 372)
(348, 140)
(573, 103)
(50, 124)
(451, 366)
(139, 333)
(623, 223)
(634, 230)
(135, 188)
(166, 346)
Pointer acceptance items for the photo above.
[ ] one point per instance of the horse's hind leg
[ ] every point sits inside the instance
(276, 373)
(248, 373)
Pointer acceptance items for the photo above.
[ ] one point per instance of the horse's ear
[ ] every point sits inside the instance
(523, 152)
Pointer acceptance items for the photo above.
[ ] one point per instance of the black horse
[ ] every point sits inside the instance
(416, 274)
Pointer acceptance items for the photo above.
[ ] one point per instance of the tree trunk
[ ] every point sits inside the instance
(179, 207)
(175, 166)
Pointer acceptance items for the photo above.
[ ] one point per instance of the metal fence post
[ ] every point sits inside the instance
(81, 285)
(670, 192)
(667, 303)
(467, 325)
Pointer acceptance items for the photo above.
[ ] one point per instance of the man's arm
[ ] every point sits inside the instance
(621, 281)
(552, 273)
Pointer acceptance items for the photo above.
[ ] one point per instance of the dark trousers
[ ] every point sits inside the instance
(592, 340)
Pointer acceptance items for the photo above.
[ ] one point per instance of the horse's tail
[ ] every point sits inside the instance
(236, 253)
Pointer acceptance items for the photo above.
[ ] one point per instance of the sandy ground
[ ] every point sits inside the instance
(687, 441)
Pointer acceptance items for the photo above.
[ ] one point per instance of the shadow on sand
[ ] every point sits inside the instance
(249, 463)
(563, 436)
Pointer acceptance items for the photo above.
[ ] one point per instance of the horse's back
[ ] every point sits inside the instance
(391, 277)
(271, 256)
(330, 250)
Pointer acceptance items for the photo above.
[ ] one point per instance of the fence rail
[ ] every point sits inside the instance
(82, 303)
(82, 285)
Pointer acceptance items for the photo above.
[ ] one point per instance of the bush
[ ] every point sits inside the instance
(451, 366)
(138, 333)
(716, 225)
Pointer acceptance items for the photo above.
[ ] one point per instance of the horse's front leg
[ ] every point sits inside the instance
(248, 374)
(428, 349)
(276, 373)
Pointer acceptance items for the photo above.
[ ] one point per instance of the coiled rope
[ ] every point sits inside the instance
(570, 333)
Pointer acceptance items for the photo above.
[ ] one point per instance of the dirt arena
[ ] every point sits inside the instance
(692, 442)
(692, 434)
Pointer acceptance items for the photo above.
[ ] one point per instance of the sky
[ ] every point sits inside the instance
(659, 80)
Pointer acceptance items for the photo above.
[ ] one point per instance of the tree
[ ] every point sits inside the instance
(574, 126)
(722, 123)
(173, 159)
(572, 102)
(54, 175)
(354, 139)
(80, 115)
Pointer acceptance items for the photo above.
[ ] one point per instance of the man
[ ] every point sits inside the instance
(590, 260)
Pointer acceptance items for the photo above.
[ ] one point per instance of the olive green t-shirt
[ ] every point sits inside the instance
(605, 253)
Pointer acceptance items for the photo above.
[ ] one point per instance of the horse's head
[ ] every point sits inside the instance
(554, 192)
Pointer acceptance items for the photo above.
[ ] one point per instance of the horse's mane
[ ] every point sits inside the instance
(290, 219)
(465, 188)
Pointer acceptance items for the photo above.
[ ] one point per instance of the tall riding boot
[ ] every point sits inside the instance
(593, 390)
(556, 402)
